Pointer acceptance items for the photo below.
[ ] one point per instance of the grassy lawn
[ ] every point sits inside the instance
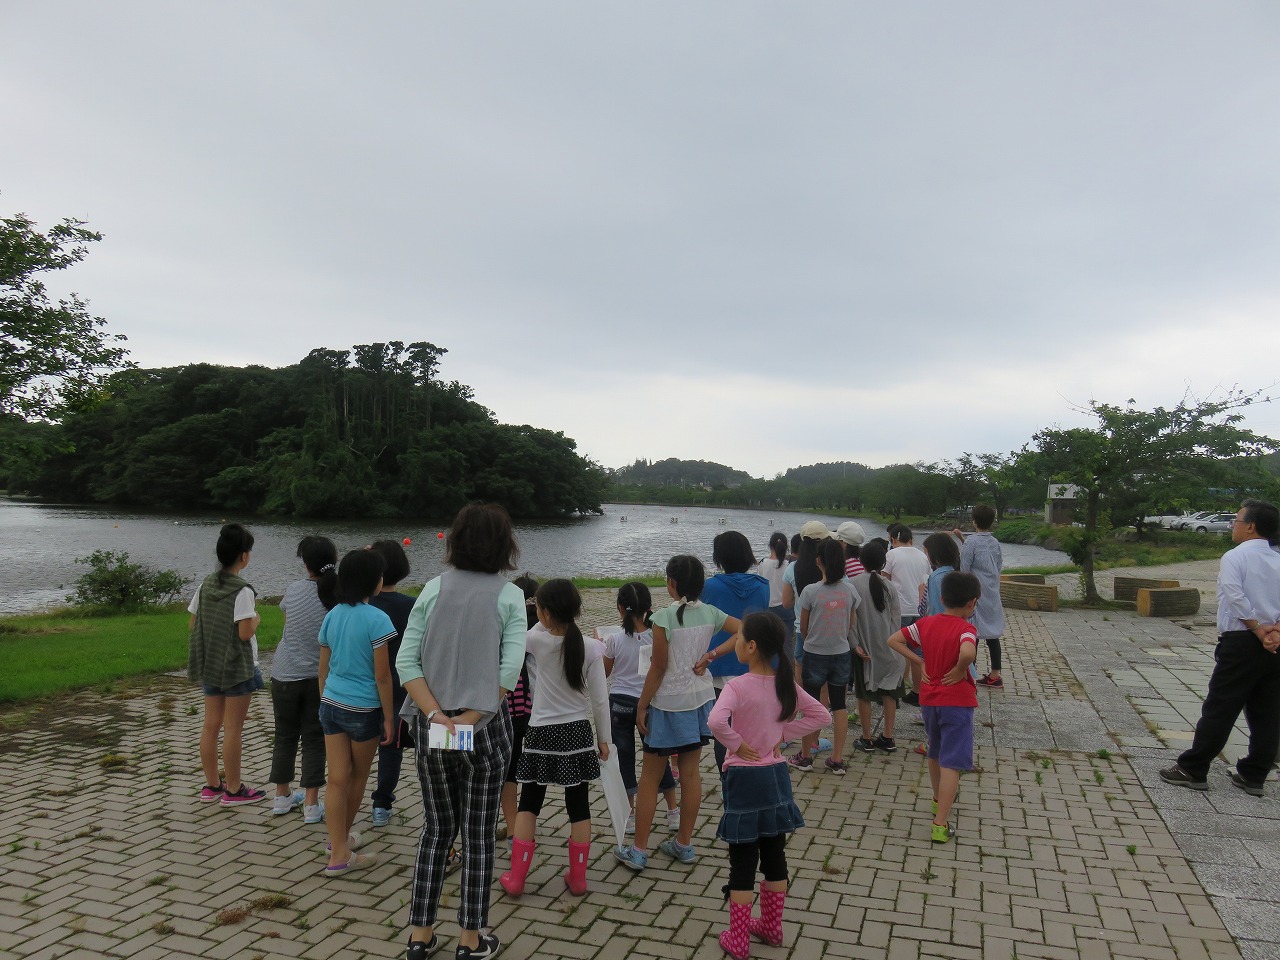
(54, 652)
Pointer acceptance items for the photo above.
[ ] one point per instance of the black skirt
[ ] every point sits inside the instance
(564, 754)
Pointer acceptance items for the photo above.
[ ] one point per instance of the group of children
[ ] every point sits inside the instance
(334, 688)
(334, 691)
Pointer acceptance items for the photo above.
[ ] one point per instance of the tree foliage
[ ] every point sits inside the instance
(53, 356)
(1132, 461)
(114, 583)
(365, 432)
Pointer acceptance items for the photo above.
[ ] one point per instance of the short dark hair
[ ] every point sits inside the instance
(1264, 516)
(482, 539)
(731, 552)
(900, 532)
(959, 588)
(942, 550)
(358, 576)
(393, 556)
(983, 516)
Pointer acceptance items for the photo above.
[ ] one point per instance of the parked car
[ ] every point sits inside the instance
(1161, 521)
(1188, 520)
(1217, 523)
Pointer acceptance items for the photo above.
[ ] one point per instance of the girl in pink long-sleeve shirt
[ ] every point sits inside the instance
(756, 712)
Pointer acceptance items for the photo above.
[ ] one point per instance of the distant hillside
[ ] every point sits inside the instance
(822, 472)
(679, 473)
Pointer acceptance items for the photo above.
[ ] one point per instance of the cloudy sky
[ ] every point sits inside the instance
(764, 234)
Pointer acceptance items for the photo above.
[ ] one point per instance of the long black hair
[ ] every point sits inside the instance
(563, 604)
(832, 554)
(636, 603)
(942, 550)
(873, 557)
(689, 576)
(807, 571)
(778, 546)
(320, 557)
(769, 634)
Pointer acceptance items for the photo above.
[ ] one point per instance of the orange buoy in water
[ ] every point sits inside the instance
(407, 541)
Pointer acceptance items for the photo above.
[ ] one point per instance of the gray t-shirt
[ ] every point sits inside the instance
(298, 656)
(829, 606)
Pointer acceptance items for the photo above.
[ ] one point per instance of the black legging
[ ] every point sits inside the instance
(576, 800)
(994, 647)
(769, 853)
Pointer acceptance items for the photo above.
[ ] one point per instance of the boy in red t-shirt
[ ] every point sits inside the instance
(948, 695)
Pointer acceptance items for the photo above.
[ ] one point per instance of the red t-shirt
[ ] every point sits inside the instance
(940, 636)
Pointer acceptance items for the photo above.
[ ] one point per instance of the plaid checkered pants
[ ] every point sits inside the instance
(460, 791)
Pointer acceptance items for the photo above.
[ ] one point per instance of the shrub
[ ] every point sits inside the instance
(112, 581)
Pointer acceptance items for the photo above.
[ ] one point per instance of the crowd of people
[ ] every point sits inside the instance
(761, 654)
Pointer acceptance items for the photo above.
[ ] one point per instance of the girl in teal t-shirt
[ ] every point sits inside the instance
(355, 700)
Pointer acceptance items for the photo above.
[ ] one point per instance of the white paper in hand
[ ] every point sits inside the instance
(441, 739)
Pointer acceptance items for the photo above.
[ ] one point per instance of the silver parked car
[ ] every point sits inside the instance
(1188, 521)
(1216, 523)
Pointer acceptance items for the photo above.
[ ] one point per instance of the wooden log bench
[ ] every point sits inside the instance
(1126, 588)
(1168, 602)
(1029, 596)
(1022, 578)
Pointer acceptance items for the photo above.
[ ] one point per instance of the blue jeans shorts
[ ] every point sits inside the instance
(245, 688)
(832, 670)
(359, 725)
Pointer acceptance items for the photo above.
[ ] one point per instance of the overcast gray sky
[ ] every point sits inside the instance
(764, 234)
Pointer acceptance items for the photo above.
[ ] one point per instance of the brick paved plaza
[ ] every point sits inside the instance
(1068, 846)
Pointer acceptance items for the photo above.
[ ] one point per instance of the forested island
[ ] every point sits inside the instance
(363, 432)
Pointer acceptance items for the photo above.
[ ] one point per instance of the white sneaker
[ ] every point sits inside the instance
(631, 823)
(286, 804)
(673, 820)
(313, 813)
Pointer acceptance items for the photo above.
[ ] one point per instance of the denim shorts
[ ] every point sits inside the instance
(822, 668)
(245, 688)
(359, 725)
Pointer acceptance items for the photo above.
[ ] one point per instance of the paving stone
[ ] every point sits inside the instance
(1040, 868)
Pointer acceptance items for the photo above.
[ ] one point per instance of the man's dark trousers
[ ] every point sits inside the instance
(1246, 677)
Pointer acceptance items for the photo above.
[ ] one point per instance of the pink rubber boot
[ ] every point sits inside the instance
(769, 927)
(736, 941)
(576, 876)
(521, 859)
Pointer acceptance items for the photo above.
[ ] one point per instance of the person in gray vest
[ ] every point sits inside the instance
(462, 652)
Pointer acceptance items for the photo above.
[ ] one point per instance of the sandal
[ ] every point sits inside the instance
(358, 861)
(355, 840)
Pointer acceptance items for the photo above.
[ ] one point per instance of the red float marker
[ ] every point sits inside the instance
(407, 541)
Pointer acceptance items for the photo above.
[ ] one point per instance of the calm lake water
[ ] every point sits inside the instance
(39, 543)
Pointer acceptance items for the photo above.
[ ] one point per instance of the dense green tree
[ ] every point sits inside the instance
(52, 355)
(1131, 459)
(365, 432)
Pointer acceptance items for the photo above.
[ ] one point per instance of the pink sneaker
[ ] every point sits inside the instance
(245, 794)
(210, 794)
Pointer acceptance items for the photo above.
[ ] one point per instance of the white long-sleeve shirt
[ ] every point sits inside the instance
(1248, 586)
(554, 701)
